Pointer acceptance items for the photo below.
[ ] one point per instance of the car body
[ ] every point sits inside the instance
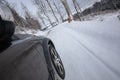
(27, 57)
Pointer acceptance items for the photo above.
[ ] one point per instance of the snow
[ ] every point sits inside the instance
(5, 13)
(28, 3)
(83, 4)
(33, 9)
(20, 30)
(90, 50)
(100, 16)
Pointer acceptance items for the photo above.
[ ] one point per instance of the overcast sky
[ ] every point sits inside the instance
(32, 8)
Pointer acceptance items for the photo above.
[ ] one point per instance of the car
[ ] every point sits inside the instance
(27, 57)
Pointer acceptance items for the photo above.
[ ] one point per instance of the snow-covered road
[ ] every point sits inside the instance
(89, 50)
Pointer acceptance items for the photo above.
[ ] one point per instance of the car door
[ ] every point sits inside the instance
(24, 60)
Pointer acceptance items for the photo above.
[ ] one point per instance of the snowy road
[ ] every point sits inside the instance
(90, 50)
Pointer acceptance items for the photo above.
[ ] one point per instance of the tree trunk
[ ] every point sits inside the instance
(41, 19)
(41, 6)
(48, 19)
(70, 17)
(58, 11)
(114, 3)
(76, 5)
(52, 10)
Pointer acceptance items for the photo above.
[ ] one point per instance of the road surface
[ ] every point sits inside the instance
(89, 50)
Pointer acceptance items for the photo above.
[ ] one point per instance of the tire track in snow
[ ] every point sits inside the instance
(90, 55)
(76, 37)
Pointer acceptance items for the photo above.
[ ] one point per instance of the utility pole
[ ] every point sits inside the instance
(77, 8)
(67, 8)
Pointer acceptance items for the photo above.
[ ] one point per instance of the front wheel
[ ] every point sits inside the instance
(56, 61)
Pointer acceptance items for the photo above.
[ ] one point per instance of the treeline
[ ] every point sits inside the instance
(49, 12)
(102, 6)
(27, 21)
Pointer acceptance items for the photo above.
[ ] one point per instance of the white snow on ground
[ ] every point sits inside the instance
(101, 15)
(90, 50)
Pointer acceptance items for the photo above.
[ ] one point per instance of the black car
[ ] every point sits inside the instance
(26, 57)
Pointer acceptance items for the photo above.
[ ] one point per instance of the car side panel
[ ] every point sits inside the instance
(23, 61)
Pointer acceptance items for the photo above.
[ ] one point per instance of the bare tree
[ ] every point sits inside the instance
(49, 4)
(16, 16)
(41, 18)
(77, 8)
(42, 9)
(32, 22)
(59, 12)
(114, 3)
(2, 1)
(67, 8)
(26, 14)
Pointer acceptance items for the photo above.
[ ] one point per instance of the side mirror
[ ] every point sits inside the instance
(7, 29)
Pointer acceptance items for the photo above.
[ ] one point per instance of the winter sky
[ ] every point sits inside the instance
(32, 8)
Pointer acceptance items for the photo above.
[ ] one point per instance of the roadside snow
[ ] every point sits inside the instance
(101, 15)
(90, 50)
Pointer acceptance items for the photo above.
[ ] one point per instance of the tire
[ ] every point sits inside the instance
(57, 62)
(48, 59)
(52, 75)
(53, 67)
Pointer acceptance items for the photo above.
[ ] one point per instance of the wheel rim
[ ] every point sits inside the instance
(57, 61)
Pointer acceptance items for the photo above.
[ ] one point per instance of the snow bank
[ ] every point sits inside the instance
(21, 30)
